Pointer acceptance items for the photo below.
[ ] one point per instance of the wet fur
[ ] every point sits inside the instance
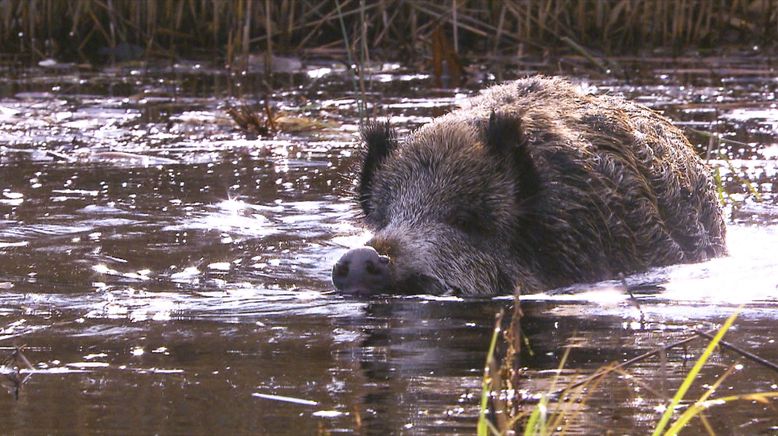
(536, 185)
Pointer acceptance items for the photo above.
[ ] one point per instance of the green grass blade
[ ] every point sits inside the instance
(538, 421)
(698, 407)
(483, 423)
(719, 186)
(687, 382)
(536, 424)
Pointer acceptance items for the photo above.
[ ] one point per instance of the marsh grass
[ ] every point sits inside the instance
(739, 177)
(391, 28)
(715, 140)
(484, 424)
(689, 380)
(556, 410)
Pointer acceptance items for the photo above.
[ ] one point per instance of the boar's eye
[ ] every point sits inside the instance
(467, 221)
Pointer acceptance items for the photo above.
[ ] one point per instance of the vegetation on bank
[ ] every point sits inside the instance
(399, 29)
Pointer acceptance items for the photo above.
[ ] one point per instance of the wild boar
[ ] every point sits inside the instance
(532, 185)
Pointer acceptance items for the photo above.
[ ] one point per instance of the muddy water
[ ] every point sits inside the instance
(169, 274)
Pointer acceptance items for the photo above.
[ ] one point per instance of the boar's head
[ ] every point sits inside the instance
(446, 207)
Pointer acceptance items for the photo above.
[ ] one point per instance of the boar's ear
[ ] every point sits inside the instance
(380, 139)
(503, 134)
(505, 138)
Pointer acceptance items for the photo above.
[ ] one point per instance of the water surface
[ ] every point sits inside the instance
(168, 273)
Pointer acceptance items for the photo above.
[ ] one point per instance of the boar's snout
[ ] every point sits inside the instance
(361, 271)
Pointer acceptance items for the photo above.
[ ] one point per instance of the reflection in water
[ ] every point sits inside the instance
(168, 275)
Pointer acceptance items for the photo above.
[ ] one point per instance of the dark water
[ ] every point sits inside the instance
(166, 274)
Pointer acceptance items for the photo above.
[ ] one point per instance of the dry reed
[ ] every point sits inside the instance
(86, 28)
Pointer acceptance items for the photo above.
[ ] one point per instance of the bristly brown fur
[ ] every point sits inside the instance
(536, 185)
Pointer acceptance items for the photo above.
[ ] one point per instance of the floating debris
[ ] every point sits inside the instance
(11, 372)
(252, 122)
(286, 399)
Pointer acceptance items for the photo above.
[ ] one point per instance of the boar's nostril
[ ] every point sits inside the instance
(371, 268)
(361, 271)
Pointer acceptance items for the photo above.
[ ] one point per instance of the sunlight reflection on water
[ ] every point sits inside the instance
(748, 275)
